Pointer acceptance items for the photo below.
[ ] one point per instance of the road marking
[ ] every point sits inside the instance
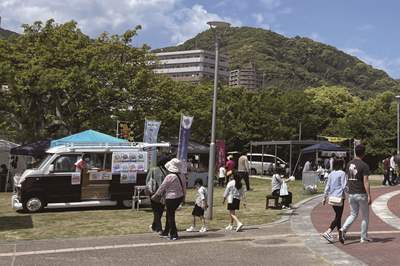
(381, 209)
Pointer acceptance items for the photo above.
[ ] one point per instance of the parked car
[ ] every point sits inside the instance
(264, 163)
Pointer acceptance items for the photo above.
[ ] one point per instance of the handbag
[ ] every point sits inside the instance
(335, 201)
(284, 190)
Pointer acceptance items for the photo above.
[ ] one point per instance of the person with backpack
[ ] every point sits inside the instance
(335, 195)
(174, 189)
(154, 179)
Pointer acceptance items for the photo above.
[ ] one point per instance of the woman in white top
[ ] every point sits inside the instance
(234, 192)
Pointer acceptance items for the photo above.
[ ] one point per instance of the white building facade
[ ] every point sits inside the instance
(191, 65)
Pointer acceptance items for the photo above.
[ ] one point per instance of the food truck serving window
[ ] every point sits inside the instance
(65, 163)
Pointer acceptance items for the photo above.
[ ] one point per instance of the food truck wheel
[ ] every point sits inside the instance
(34, 204)
(126, 204)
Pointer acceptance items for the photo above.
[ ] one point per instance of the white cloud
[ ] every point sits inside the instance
(391, 66)
(271, 4)
(170, 18)
(187, 22)
(316, 37)
(365, 27)
(260, 21)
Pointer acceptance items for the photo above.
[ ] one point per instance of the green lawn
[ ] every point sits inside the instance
(107, 221)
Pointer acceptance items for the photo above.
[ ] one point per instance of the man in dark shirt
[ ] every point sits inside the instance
(359, 194)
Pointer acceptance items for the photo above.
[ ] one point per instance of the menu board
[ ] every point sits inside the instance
(129, 161)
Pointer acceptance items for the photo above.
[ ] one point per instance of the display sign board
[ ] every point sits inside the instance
(76, 178)
(129, 161)
(100, 176)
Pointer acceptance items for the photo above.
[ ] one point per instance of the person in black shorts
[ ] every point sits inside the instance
(199, 207)
(234, 192)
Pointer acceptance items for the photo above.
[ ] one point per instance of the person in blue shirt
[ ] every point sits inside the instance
(335, 188)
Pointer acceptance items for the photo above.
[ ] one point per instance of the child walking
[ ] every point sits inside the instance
(199, 207)
(234, 192)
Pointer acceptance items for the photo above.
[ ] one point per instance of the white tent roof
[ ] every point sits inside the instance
(5, 145)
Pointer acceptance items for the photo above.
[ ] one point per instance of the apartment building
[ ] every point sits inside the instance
(192, 66)
(247, 76)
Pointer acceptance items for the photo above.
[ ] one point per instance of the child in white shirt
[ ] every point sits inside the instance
(199, 207)
(221, 176)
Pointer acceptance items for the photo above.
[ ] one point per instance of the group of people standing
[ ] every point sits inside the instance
(353, 181)
(166, 186)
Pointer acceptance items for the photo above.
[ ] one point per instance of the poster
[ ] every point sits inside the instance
(76, 178)
(125, 130)
(220, 143)
(129, 161)
(128, 177)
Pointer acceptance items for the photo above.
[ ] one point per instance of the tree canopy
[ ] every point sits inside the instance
(55, 80)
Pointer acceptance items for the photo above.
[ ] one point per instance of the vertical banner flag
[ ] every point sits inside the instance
(150, 135)
(220, 143)
(184, 135)
(125, 130)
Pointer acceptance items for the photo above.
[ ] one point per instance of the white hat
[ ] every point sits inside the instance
(230, 157)
(174, 165)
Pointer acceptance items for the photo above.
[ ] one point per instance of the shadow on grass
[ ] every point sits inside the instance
(15, 222)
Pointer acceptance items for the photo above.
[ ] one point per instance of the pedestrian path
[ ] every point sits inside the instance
(383, 229)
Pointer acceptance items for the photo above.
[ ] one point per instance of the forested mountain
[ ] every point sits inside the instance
(4, 34)
(294, 63)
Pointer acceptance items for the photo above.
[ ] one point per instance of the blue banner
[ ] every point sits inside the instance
(184, 135)
(150, 135)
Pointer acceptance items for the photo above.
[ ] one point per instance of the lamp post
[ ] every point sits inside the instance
(398, 123)
(215, 26)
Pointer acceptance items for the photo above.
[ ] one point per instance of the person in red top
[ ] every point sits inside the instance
(229, 166)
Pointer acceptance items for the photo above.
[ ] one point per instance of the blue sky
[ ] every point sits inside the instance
(367, 29)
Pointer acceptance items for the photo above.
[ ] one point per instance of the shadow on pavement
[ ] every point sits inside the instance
(15, 222)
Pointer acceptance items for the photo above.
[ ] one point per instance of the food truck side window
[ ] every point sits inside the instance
(65, 163)
(96, 161)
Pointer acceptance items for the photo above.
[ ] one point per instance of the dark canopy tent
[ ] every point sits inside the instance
(36, 149)
(325, 146)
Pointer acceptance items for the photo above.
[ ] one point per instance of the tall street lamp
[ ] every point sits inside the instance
(215, 27)
(398, 123)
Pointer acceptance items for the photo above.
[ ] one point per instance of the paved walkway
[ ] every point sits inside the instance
(384, 229)
(295, 239)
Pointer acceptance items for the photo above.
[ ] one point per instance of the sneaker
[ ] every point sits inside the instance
(365, 240)
(203, 229)
(341, 235)
(163, 235)
(173, 238)
(191, 229)
(239, 227)
(229, 227)
(151, 228)
(328, 237)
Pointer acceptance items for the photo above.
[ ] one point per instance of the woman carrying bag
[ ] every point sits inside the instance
(174, 189)
(335, 195)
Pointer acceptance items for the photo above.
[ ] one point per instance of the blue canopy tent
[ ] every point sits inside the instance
(87, 137)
